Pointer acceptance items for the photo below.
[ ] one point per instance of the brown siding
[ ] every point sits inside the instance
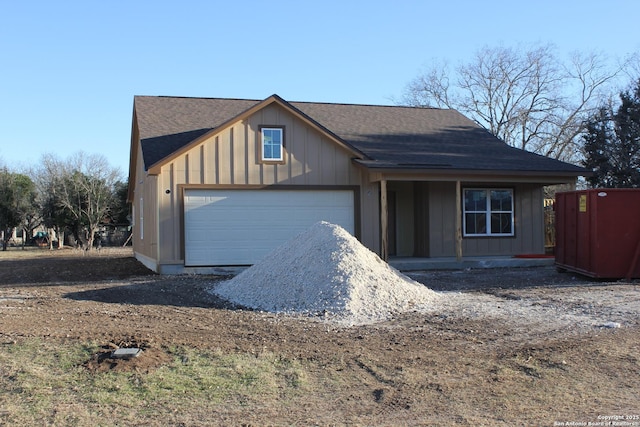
(297, 150)
(370, 214)
(144, 198)
(151, 214)
(442, 213)
(224, 158)
(168, 229)
(421, 219)
(404, 224)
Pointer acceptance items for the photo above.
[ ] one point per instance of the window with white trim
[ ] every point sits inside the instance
(272, 143)
(488, 212)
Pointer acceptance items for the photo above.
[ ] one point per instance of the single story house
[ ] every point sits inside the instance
(220, 182)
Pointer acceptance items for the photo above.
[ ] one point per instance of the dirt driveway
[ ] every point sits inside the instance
(526, 346)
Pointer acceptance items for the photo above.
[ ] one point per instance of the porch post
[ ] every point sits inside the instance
(384, 228)
(458, 222)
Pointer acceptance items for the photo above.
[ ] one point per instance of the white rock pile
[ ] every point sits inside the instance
(325, 272)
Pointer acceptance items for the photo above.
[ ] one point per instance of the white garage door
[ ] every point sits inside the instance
(239, 227)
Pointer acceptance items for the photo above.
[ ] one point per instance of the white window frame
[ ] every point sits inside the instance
(263, 140)
(488, 212)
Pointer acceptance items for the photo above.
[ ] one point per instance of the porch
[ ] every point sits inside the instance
(422, 223)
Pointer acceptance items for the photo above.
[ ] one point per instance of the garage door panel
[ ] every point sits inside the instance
(238, 227)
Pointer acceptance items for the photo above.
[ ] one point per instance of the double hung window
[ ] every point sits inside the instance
(488, 212)
(272, 144)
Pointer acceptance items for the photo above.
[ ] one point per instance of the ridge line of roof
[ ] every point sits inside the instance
(372, 105)
(198, 97)
(296, 102)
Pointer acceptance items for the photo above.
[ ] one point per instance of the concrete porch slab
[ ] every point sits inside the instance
(417, 264)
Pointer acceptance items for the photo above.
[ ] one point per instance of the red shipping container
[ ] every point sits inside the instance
(598, 232)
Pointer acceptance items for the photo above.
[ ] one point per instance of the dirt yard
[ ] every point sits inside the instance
(526, 346)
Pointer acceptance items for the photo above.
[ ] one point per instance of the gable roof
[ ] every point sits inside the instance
(380, 137)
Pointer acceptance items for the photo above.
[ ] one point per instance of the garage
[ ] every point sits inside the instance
(239, 227)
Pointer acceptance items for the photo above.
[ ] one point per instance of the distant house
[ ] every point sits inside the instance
(220, 182)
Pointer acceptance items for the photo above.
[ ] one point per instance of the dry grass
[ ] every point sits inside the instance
(45, 382)
(33, 252)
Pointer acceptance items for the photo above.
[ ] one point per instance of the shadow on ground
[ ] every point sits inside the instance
(179, 291)
(59, 270)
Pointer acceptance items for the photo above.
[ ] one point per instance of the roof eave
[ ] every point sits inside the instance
(451, 173)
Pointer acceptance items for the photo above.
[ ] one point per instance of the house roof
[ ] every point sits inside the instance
(166, 124)
(381, 137)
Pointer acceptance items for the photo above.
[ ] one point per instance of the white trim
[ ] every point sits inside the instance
(272, 159)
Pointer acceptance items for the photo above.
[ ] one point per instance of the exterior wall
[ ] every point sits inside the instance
(441, 218)
(145, 231)
(370, 214)
(404, 224)
(529, 223)
(421, 219)
(230, 159)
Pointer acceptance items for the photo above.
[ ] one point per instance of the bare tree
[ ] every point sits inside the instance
(48, 178)
(79, 192)
(632, 66)
(526, 97)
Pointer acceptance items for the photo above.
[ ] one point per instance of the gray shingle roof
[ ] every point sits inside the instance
(425, 138)
(390, 137)
(168, 123)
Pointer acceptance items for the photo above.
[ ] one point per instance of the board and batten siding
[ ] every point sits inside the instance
(144, 215)
(230, 158)
(529, 224)
(405, 227)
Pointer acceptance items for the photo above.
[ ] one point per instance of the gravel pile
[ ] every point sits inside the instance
(325, 272)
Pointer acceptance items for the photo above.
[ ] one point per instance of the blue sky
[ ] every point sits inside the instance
(70, 69)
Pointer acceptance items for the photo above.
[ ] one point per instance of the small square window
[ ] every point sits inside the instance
(272, 143)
